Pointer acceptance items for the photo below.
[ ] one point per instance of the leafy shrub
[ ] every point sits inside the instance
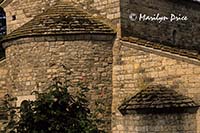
(54, 111)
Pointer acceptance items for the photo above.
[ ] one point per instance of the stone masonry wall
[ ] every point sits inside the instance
(182, 34)
(106, 10)
(33, 63)
(3, 78)
(3, 87)
(18, 12)
(109, 9)
(157, 123)
(134, 68)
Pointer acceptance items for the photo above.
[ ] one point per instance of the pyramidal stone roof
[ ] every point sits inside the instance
(61, 19)
(156, 97)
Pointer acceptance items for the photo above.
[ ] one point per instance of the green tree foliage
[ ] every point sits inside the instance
(54, 111)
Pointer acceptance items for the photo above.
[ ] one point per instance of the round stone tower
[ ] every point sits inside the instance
(61, 35)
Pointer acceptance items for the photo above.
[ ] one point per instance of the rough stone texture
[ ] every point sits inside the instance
(134, 68)
(157, 98)
(18, 12)
(3, 88)
(164, 48)
(156, 123)
(61, 35)
(109, 9)
(3, 78)
(181, 34)
(33, 64)
(62, 18)
(33, 61)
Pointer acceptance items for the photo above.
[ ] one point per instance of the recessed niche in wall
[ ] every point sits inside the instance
(14, 17)
(174, 37)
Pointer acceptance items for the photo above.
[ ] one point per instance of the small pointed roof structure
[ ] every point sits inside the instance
(61, 19)
(157, 98)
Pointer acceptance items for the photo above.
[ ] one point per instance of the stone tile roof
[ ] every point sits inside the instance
(183, 52)
(61, 19)
(157, 97)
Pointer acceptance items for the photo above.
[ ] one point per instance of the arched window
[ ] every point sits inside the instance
(2, 30)
(2, 22)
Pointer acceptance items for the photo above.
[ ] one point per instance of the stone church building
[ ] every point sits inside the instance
(144, 57)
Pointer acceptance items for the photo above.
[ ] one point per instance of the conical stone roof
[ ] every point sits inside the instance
(156, 97)
(61, 19)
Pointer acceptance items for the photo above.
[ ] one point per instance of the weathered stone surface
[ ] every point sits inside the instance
(120, 71)
(135, 68)
(19, 12)
(157, 98)
(180, 34)
(174, 50)
(32, 65)
(61, 19)
(3, 78)
(156, 123)
(25, 10)
(109, 9)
